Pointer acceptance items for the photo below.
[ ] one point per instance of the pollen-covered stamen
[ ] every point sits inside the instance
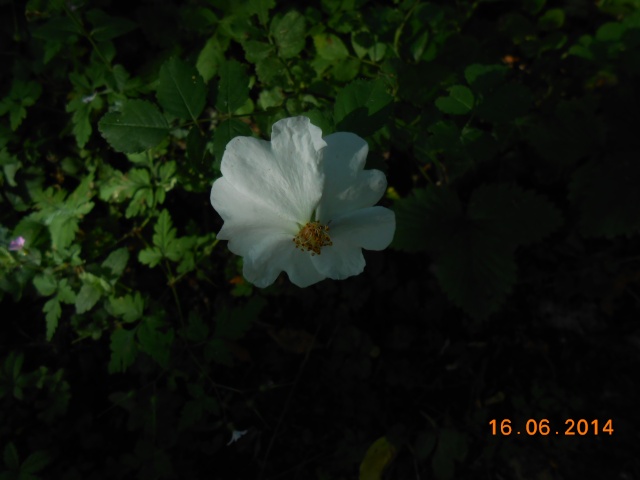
(312, 237)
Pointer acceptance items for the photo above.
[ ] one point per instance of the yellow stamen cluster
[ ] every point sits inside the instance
(312, 237)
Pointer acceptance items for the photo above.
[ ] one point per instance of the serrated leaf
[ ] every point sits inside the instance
(65, 293)
(255, 51)
(129, 308)
(427, 219)
(45, 283)
(181, 91)
(289, 33)
(378, 457)
(117, 261)
(459, 101)
(87, 297)
(123, 350)
(35, 462)
(210, 58)
(81, 119)
(233, 90)
(154, 341)
(232, 324)
(106, 27)
(270, 72)
(138, 127)
(164, 233)
(476, 271)
(330, 47)
(362, 107)
(52, 312)
(11, 458)
(150, 256)
(261, 8)
(513, 215)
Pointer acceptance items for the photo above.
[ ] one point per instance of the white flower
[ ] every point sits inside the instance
(301, 204)
(237, 435)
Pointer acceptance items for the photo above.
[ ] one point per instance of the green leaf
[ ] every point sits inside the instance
(106, 27)
(233, 90)
(270, 72)
(476, 271)
(321, 119)
(377, 52)
(233, 324)
(289, 33)
(138, 127)
(261, 8)
(154, 342)
(123, 350)
(87, 297)
(11, 459)
(52, 312)
(66, 293)
(452, 447)
(255, 51)
(362, 107)
(459, 102)
(224, 133)
(150, 256)
(551, 19)
(82, 128)
(378, 457)
(61, 215)
(164, 233)
(23, 94)
(45, 283)
(129, 308)
(427, 219)
(346, 70)
(197, 330)
(474, 252)
(361, 43)
(117, 261)
(330, 47)
(35, 462)
(181, 91)
(210, 58)
(514, 216)
(484, 77)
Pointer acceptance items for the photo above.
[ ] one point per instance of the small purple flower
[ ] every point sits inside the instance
(16, 244)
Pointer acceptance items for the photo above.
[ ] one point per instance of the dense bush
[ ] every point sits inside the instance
(132, 347)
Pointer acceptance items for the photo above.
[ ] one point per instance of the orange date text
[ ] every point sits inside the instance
(543, 427)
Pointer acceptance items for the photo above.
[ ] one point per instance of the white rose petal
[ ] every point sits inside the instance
(301, 204)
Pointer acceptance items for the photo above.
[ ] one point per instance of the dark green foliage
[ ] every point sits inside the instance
(133, 346)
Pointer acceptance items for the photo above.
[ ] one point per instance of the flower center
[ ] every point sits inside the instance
(312, 237)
